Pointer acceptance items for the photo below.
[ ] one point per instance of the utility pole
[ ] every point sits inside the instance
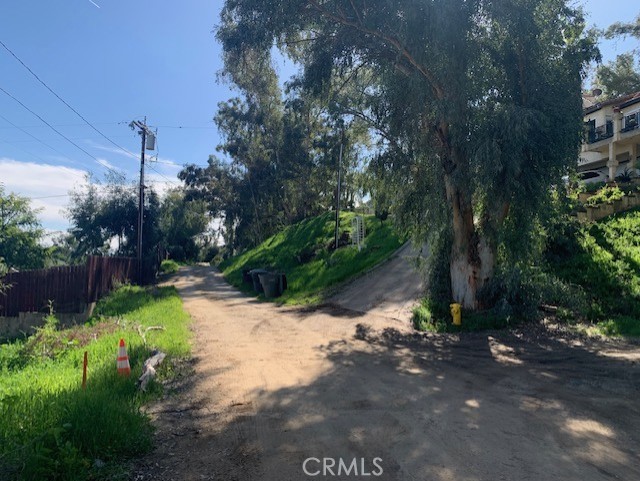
(144, 132)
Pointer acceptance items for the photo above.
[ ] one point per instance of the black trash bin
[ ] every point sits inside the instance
(271, 284)
(246, 275)
(257, 286)
(283, 282)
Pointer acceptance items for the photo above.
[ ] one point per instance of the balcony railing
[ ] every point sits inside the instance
(600, 133)
(630, 122)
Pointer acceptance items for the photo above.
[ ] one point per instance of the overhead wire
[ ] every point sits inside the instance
(83, 118)
(40, 141)
(60, 98)
(66, 125)
(183, 127)
(156, 156)
(119, 174)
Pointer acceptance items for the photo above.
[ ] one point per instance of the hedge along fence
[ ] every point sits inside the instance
(69, 288)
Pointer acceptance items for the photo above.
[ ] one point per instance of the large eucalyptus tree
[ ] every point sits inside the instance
(477, 101)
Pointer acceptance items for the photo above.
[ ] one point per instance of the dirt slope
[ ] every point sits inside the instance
(275, 386)
(392, 289)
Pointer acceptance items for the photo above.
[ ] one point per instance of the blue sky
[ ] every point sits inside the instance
(115, 61)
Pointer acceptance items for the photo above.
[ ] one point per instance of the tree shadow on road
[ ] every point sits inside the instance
(524, 404)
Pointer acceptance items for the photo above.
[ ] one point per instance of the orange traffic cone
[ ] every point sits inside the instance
(123, 360)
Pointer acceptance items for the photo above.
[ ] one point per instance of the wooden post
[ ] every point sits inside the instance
(84, 371)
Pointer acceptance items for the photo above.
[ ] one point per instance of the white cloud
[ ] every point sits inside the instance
(42, 180)
(160, 184)
(113, 150)
(53, 182)
(107, 164)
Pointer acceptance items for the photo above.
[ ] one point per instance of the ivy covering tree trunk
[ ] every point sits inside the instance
(476, 105)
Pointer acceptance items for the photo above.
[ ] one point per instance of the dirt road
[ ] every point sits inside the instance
(392, 289)
(273, 387)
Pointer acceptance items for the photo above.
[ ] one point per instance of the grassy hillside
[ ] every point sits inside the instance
(604, 261)
(302, 252)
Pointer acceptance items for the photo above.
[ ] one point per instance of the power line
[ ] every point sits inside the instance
(38, 140)
(48, 124)
(161, 174)
(60, 133)
(31, 153)
(49, 196)
(185, 127)
(74, 172)
(60, 98)
(66, 125)
(178, 127)
(89, 139)
(166, 162)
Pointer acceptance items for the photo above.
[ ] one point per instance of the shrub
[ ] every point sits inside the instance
(606, 195)
(169, 266)
(431, 316)
(518, 292)
(422, 320)
(626, 175)
(211, 253)
(177, 253)
(594, 187)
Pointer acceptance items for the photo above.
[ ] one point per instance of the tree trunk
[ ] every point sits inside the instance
(472, 260)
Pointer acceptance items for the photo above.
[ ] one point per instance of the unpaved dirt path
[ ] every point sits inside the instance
(274, 386)
(391, 289)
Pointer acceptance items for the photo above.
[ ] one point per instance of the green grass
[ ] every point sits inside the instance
(50, 428)
(169, 266)
(301, 252)
(605, 262)
(433, 317)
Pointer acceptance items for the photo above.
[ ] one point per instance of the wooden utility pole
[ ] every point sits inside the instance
(144, 131)
(141, 201)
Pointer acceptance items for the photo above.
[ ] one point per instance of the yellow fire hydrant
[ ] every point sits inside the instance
(456, 313)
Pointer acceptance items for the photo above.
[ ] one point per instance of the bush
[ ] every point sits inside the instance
(606, 196)
(422, 320)
(627, 175)
(594, 187)
(169, 266)
(177, 253)
(211, 253)
(518, 292)
(431, 316)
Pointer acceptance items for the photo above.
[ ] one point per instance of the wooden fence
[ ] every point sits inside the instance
(69, 288)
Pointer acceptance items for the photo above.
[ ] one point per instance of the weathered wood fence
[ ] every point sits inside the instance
(69, 288)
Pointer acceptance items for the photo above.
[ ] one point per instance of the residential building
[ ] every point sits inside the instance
(611, 134)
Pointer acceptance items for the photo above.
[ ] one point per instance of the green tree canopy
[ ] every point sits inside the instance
(101, 215)
(623, 29)
(621, 76)
(477, 104)
(182, 221)
(20, 233)
(281, 160)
